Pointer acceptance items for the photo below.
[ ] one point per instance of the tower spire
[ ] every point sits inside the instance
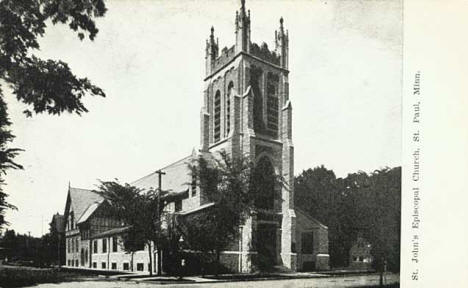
(211, 51)
(282, 40)
(242, 29)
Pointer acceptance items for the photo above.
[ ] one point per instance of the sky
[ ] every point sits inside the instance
(345, 88)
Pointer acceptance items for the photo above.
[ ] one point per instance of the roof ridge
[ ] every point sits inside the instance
(165, 167)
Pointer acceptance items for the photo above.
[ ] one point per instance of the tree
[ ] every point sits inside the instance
(314, 192)
(44, 85)
(360, 203)
(384, 220)
(229, 184)
(139, 210)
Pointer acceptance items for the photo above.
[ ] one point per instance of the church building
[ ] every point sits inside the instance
(246, 111)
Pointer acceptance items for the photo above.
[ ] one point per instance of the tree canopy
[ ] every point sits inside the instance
(234, 187)
(44, 85)
(359, 204)
(139, 210)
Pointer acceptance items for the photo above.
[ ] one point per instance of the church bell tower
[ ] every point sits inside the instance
(247, 111)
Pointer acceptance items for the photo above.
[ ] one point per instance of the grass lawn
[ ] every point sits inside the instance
(11, 276)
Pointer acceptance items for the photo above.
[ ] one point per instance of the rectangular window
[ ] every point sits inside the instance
(114, 266)
(126, 266)
(77, 263)
(94, 265)
(114, 244)
(95, 246)
(178, 205)
(308, 243)
(103, 265)
(77, 245)
(104, 245)
(140, 266)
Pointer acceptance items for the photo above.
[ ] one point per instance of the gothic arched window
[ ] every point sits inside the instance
(228, 107)
(217, 116)
(264, 181)
(272, 104)
(255, 80)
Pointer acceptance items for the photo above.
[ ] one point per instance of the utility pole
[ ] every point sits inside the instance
(160, 173)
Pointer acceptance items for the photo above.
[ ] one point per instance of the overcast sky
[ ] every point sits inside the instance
(345, 75)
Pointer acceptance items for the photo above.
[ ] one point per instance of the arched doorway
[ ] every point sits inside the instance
(264, 183)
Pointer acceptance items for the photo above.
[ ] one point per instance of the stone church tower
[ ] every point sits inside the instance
(247, 111)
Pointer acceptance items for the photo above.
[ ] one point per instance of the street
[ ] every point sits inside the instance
(339, 281)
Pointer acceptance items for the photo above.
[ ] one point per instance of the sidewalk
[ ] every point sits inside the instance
(216, 279)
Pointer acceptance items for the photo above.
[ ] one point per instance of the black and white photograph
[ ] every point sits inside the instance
(235, 143)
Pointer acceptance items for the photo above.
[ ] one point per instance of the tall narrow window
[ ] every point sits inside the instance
(217, 116)
(178, 205)
(307, 242)
(114, 244)
(95, 247)
(255, 80)
(104, 245)
(72, 221)
(272, 105)
(194, 186)
(228, 108)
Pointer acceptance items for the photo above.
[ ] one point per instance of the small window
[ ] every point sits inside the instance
(77, 263)
(140, 266)
(114, 266)
(114, 244)
(103, 265)
(95, 247)
(104, 245)
(94, 265)
(178, 205)
(126, 267)
(308, 243)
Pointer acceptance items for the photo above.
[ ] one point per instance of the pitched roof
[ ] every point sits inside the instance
(81, 199)
(176, 178)
(308, 216)
(89, 211)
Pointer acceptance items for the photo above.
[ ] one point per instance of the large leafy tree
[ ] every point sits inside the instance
(44, 85)
(229, 184)
(362, 203)
(142, 210)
